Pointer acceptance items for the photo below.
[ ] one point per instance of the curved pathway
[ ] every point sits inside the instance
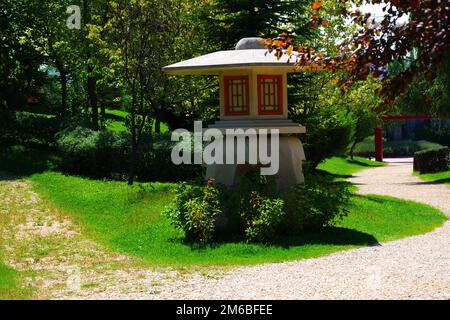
(397, 181)
(412, 268)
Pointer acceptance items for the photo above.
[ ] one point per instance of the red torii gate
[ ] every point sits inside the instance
(379, 132)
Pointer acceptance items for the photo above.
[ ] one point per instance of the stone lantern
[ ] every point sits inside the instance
(253, 94)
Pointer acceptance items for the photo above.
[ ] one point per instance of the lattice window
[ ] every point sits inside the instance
(237, 100)
(270, 95)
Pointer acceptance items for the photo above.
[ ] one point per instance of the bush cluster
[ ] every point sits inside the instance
(320, 202)
(27, 128)
(195, 210)
(92, 153)
(106, 154)
(251, 211)
(96, 154)
(329, 133)
(437, 131)
(434, 160)
(401, 148)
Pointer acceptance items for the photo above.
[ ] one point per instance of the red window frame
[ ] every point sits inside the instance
(246, 90)
(278, 82)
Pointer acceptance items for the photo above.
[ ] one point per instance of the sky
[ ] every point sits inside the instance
(377, 11)
(374, 9)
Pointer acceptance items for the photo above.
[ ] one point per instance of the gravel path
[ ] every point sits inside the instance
(396, 181)
(413, 268)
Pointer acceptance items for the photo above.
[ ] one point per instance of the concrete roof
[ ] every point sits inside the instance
(215, 62)
(249, 43)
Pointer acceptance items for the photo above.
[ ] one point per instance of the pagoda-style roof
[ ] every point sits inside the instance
(244, 57)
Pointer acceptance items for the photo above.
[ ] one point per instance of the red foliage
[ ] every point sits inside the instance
(426, 33)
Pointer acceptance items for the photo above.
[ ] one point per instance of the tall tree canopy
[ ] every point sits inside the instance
(231, 20)
(420, 44)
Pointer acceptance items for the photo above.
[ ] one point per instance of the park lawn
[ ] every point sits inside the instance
(440, 177)
(345, 167)
(129, 220)
(117, 119)
(10, 288)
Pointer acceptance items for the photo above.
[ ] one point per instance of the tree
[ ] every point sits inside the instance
(137, 38)
(96, 15)
(178, 101)
(316, 101)
(91, 80)
(362, 101)
(138, 34)
(20, 60)
(231, 20)
(131, 30)
(422, 42)
(420, 45)
(60, 46)
(425, 97)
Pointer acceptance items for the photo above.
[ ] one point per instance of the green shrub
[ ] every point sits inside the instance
(431, 161)
(202, 215)
(329, 134)
(251, 211)
(265, 220)
(401, 148)
(196, 210)
(106, 154)
(27, 128)
(259, 211)
(437, 131)
(320, 202)
(93, 153)
(155, 163)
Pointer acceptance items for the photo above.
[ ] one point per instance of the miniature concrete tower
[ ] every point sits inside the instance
(253, 94)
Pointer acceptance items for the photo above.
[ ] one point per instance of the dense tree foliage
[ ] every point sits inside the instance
(106, 76)
(228, 21)
(420, 44)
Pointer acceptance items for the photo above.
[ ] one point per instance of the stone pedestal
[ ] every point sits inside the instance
(291, 156)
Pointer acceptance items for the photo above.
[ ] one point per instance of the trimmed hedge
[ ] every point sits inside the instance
(92, 153)
(402, 148)
(27, 128)
(437, 131)
(106, 154)
(431, 161)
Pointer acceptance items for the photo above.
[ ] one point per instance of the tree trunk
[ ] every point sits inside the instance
(133, 158)
(157, 126)
(63, 79)
(132, 164)
(352, 150)
(91, 81)
(91, 84)
(103, 114)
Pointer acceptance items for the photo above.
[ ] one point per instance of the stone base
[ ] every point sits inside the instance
(290, 171)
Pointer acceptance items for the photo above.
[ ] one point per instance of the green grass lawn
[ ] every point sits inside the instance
(129, 220)
(10, 284)
(116, 121)
(345, 167)
(440, 177)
